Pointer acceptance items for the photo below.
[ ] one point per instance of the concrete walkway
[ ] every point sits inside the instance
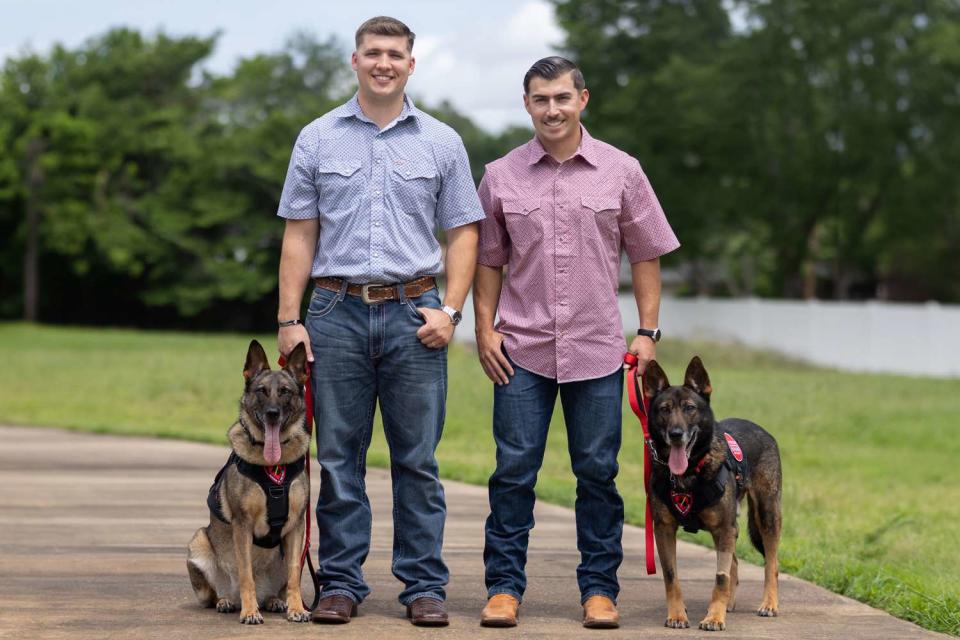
(93, 531)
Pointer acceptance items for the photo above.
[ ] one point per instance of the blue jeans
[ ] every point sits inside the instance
(521, 416)
(362, 354)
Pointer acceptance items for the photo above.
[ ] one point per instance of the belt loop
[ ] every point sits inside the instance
(343, 289)
(401, 292)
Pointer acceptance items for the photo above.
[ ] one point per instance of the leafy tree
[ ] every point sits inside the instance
(804, 152)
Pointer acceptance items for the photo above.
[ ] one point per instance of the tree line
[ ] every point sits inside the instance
(800, 149)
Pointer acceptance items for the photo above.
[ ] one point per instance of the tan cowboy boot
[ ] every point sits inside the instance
(501, 611)
(599, 612)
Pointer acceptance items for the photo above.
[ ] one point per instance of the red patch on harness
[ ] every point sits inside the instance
(277, 474)
(734, 447)
(682, 502)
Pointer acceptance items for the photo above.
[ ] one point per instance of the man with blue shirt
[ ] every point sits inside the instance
(367, 185)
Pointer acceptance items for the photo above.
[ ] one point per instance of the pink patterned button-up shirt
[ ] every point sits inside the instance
(559, 228)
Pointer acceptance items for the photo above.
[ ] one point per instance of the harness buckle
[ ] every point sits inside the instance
(277, 491)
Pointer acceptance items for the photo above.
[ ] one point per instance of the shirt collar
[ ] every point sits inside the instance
(351, 109)
(586, 150)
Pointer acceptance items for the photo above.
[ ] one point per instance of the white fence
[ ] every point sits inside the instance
(915, 339)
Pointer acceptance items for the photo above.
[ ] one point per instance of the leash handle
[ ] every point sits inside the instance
(305, 556)
(639, 405)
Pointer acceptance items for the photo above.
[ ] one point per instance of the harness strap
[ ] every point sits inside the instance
(274, 485)
(686, 506)
(639, 405)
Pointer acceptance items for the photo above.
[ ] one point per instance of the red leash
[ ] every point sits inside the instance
(639, 405)
(305, 556)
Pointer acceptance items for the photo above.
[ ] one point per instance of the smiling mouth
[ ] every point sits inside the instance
(680, 453)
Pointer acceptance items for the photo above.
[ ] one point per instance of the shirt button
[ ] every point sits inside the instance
(376, 224)
(375, 254)
(377, 192)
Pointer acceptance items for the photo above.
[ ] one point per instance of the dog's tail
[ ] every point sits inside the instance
(752, 526)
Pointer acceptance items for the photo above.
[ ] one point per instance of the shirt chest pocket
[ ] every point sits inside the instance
(413, 188)
(340, 186)
(524, 223)
(599, 216)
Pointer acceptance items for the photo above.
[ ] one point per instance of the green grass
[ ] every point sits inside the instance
(871, 492)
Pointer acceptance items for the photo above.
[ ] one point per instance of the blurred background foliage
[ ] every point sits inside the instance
(800, 149)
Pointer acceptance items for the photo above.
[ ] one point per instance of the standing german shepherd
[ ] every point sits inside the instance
(701, 471)
(251, 549)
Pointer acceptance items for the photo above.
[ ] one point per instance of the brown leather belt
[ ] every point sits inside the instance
(376, 292)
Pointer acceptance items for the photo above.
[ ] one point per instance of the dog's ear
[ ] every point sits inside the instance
(297, 363)
(654, 380)
(256, 361)
(696, 378)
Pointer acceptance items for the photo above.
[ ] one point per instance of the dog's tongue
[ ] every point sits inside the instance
(678, 460)
(271, 445)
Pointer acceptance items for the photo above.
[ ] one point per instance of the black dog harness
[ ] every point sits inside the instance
(687, 505)
(275, 482)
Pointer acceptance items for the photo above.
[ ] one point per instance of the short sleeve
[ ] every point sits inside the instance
(644, 229)
(299, 198)
(457, 202)
(494, 249)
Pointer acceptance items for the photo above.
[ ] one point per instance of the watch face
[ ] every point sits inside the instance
(457, 317)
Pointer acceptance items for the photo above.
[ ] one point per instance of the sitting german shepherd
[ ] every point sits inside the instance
(251, 549)
(700, 473)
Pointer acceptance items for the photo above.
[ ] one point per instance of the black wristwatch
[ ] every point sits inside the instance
(288, 323)
(653, 334)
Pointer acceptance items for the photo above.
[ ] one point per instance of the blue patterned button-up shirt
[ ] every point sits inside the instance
(379, 194)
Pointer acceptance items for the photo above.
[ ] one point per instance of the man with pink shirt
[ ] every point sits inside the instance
(559, 211)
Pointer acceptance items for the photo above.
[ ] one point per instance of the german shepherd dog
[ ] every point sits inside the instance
(251, 549)
(701, 471)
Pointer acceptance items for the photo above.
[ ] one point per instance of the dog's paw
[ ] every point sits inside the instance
(767, 611)
(298, 615)
(712, 624)
(225, 606)
(677, 623)
(275, 605)
(251, 618)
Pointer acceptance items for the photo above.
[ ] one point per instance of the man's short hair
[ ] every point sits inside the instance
(385, 26)
(552, 68)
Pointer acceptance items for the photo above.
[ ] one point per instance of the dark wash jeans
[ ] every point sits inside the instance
(521, 417)
(362, 354)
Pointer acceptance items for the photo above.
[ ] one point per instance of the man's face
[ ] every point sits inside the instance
(555, 106)
(383, 65)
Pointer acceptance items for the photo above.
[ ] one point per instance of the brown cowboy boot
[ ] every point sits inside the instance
(599, 612)
(501, 611)
(335, 609)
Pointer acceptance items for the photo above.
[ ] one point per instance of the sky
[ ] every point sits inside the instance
(474, 58)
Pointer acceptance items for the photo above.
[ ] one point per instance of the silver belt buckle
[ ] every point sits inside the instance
(365, 292)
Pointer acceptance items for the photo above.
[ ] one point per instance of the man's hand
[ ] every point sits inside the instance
(438, 331)
(645, 349)
(290, 337)
(494, 363)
